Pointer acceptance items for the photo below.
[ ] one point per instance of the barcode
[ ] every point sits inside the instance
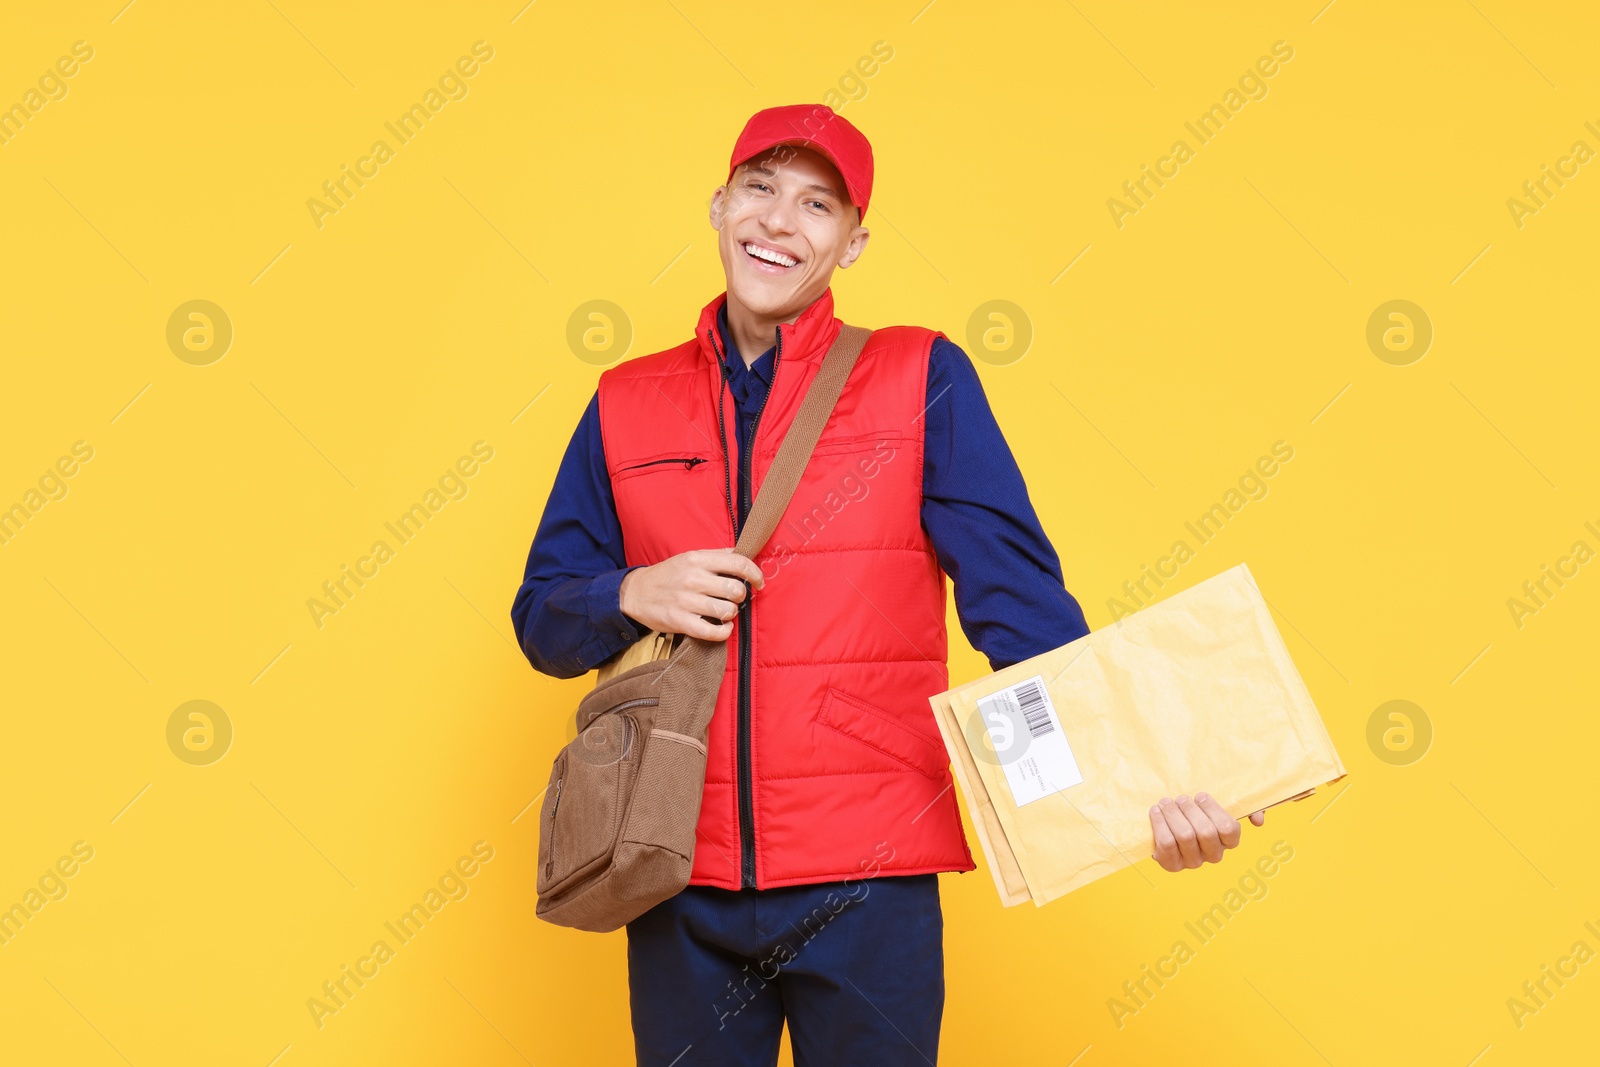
(1030, 697)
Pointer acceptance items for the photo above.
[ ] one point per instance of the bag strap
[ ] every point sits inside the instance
(795, 451)
(689, 694)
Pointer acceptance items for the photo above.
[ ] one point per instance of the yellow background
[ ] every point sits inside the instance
(368, 354)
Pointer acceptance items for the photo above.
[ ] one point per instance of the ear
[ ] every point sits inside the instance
(719, 203)
(855, 247)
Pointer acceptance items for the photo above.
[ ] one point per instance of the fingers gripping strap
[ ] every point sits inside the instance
(795, 451)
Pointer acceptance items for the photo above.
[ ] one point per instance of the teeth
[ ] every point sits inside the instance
(771, 256)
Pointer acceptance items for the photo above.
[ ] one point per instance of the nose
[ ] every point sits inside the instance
(779, 216)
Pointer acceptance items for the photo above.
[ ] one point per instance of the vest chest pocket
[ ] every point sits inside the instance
(678, 463)
(859, 456)
(872, 447)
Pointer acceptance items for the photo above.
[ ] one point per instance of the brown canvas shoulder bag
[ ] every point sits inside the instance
(617, 825)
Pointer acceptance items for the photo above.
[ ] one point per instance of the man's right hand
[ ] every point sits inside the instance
(685, 593)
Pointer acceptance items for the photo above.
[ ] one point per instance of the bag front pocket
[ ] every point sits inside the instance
(586, 799)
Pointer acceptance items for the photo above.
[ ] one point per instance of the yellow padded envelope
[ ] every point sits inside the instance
(1061, 757)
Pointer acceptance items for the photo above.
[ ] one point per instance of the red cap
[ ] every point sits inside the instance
(819, 128)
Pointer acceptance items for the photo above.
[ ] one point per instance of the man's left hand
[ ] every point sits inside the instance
(1191, 832)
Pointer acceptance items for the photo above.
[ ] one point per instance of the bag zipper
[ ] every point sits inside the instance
(688, 462)
(550, 860)
(637, 702)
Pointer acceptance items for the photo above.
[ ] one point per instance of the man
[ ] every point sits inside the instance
(828, 809)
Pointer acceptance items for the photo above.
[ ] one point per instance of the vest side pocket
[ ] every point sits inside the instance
(880, 730)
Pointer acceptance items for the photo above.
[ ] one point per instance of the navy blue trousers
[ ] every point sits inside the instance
(855, 967)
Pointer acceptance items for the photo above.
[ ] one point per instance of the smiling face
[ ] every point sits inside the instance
(784, 222)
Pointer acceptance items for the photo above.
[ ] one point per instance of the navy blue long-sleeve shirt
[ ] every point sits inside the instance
(1009, 592)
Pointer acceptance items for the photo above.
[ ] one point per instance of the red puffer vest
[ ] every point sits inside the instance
(824, 758)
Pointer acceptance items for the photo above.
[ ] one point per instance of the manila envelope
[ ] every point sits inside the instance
(1062, 756)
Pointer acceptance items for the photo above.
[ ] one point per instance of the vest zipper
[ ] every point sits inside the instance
(747, 612)
(722, 433)
(747, 830)
(688, 462)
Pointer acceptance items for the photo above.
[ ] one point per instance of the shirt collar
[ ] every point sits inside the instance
(762, 367)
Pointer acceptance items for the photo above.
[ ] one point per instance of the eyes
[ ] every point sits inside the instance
(820, 206)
